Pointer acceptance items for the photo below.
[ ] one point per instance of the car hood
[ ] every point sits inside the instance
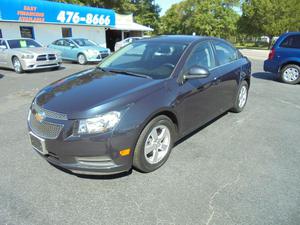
(91, 92)
(38, 51)
(98, 48)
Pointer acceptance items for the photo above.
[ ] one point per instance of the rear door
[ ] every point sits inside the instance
(227, 73)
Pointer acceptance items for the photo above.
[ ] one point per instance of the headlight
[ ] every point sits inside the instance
(99, 124)
(27, 56)
(92, 52)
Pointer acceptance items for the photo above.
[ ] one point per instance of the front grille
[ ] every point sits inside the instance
(46, 57)
(44, 129)
(51, 57)
(41, 58)
(50, 114)
(103, 54)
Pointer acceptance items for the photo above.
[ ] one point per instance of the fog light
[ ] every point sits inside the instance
(125, 152)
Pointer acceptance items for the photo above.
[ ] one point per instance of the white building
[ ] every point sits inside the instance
(46, 21)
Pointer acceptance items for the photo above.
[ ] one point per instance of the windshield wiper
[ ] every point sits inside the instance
(128, 73)
(100, 68)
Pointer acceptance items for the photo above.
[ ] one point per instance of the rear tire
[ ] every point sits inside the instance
(154, 144)
(17, 65)
(81, 59)
(290, 74)
(241, 98)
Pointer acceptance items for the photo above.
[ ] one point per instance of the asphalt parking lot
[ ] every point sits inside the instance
(241, 169)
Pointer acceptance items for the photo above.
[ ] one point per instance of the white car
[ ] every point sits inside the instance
(27, 54)
(126, 41)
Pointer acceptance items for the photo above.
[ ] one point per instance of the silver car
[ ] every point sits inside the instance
(27, 54)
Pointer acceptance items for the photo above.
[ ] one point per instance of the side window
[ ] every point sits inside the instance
(225, 53)
(3, 44)
(202, 55)
(1, 34)
(292, 41)
(66, 43)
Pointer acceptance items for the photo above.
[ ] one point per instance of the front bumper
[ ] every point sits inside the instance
(33, 64)
(95, 57)
(89, 154)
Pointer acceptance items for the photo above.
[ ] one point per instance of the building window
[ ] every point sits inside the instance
(66, 32)
(1, 34)
(27, 32)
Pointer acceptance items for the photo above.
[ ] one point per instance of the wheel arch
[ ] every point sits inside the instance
(12, 57)
(248, 80)
(288, 63)
(164, 112)
(81, 53)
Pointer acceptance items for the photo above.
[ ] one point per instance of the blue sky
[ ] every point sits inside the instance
(165, 4)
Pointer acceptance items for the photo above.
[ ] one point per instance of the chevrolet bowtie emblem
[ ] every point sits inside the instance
(40, 116)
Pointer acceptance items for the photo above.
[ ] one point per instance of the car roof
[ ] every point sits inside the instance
(290, 33)
(181, 39)
(72, 38)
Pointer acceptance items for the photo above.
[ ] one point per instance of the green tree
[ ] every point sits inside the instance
(204, 17)
(147, 13)
(269, 17)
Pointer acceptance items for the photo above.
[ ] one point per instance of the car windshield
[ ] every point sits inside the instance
(23, 43)
(153, 59)
(84, 42)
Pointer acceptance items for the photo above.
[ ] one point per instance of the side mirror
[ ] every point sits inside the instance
(196, 72)
(72, 46)
(2, 47)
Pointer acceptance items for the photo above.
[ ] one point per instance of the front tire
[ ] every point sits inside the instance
(17, 65)
(81, 59)
(290, 74)
(154, 144)
(241, 98)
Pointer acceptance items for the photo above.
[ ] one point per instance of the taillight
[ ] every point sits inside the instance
(272, 54)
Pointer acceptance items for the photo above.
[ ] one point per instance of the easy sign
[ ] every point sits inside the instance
(41, 11)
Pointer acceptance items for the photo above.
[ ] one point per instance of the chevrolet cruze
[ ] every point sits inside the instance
(130, 109)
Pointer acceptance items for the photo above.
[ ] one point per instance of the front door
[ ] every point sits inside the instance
(199, 98)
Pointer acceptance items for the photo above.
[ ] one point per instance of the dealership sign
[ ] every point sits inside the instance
(42, 11)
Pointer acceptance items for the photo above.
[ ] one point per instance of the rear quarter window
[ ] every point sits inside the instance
(292, 41)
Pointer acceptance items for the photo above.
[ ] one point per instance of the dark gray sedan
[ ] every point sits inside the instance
(132, 108)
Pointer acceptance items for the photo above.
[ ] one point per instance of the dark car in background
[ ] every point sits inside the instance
(132, 108)
(284, 58)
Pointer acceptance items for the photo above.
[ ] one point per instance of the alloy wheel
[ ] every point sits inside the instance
(17, 65)
(291, 74)
(243, 96)
(157, 144)
(81, 59)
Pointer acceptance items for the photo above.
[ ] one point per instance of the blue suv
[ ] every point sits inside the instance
(284, 58)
